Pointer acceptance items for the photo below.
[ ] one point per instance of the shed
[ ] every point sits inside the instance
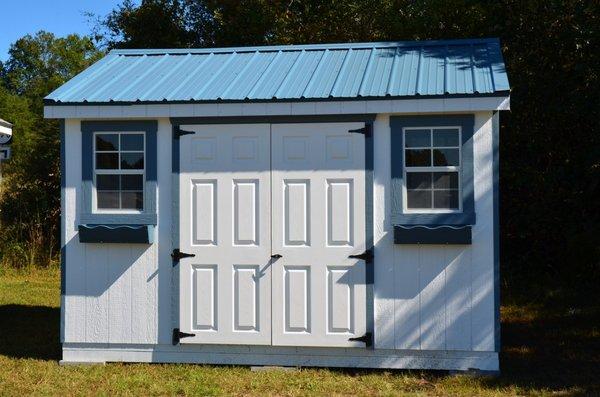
(307, 205)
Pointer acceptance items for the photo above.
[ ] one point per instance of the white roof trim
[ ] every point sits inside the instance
(434, 105)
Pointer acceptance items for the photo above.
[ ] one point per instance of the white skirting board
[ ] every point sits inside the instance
(282, 356)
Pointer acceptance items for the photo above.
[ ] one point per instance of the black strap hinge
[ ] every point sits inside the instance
(366, 130)
(177, 335)
(366, 256)
(367, 339)
(177, 255)
(178, 132)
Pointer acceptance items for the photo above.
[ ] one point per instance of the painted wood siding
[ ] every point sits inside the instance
(430, 297)
(111, 293)
(426, 297)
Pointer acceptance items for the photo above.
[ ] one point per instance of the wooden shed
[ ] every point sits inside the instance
(311, 205)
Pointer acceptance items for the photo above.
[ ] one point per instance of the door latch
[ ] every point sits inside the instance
(177, 335)
(177, 255)
(366, 256)
(367, 339)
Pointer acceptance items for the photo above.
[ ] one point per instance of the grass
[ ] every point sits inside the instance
(545, 352)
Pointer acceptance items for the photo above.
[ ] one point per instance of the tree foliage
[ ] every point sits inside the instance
(550, 140)
(30, 195)
(550, 145)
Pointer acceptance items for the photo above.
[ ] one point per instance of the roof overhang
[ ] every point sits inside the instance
(450, 104)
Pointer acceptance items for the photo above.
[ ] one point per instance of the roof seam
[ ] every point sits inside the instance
(312, 79)
(266, 72)
(366, 72)
(189, 76)
(289, 73)
(167, 75)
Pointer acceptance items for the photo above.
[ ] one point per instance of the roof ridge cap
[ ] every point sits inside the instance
(299, 47)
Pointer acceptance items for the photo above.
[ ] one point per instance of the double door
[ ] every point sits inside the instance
(271, 213)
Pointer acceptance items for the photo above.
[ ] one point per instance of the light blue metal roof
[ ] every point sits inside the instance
(289, 73)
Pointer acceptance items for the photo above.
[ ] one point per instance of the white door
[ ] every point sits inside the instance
(225, 221)
(318, 220)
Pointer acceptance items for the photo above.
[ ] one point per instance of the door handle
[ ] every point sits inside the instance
(276, 256)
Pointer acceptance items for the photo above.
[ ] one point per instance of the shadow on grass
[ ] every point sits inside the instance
(555, 348)
(30, 332)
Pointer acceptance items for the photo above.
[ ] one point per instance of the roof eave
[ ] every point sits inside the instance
(51, 102)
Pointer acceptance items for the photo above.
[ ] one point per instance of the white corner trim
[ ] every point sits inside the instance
(429, 105)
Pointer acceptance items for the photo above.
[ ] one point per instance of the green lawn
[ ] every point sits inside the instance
(544, 352)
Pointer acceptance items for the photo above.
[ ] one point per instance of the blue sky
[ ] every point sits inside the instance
(61, 17)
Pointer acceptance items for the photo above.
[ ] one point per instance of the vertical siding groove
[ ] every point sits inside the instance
(420, 295)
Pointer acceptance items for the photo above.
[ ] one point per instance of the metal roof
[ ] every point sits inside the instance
(290, 73)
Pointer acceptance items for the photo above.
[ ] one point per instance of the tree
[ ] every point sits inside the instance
(30, 199)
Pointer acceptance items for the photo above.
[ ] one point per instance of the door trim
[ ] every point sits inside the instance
(311, 118)
(368, 119)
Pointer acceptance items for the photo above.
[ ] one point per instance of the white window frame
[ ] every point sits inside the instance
(432, 168)
(96, 172)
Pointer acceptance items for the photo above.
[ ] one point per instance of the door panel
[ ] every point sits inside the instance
(225, 210)
(318, 219)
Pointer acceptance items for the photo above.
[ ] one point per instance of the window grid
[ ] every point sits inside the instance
(432, 169)
(118, 172)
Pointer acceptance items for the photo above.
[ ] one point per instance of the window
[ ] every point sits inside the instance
(119, 167)
(432, 168)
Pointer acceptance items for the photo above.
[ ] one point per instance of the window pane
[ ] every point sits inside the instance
(447, 199)
(107, 142)
(417, 138)
(442, 157)
(132, 182)
(418, 180)
(418, 198)
(107, 182)
(445, 180)
(108, 200)
(132, 200)
(446, 137)
(107, 161)
(132, 142)
(132, 161)
(418, 157)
